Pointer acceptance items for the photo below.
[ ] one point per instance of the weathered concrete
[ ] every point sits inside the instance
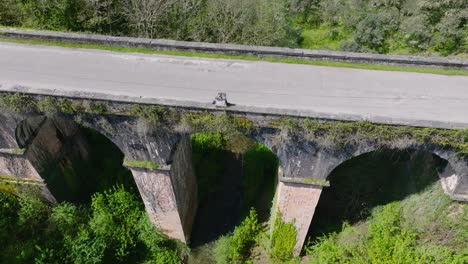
(232, 49)
(297, 203)
(404, 98)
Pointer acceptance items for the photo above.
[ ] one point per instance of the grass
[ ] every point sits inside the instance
(8, 187)
(141, 164)
(367, 66)
(426, 227)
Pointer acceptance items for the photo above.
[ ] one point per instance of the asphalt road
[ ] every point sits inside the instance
(387, 97)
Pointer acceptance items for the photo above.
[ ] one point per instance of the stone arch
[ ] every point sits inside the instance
(453, 177)
(372, 179)
(156, 159)
(73, 161)
(308, 165)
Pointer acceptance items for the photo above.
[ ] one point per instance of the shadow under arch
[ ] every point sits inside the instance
(74, 161)
(369, 180)
(230, 182)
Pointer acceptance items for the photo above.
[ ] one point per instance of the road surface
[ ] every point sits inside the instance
(341, 93)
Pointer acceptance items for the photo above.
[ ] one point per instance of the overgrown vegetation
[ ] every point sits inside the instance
(283, 239)
(114, 228)
(231, 128)
(400, 26)
(388, 207)
(341, 133)
(390, 237)
(235, 247)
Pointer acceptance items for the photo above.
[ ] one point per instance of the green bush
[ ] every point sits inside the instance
(235, 247)
(55, 105)
(10, 13)
(384, 241)
(114, 229)
(283, 239)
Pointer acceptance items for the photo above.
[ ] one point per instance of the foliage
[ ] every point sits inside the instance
(235, 247)
(351, 132)
(114, 229)
(18, 102)
(400, 26)
(107, 222)
(283, 239)
(393, 234)
(56, 105)
(263, 22)
(99, 108)
(153, 113)
(231, 127)
(325, 36)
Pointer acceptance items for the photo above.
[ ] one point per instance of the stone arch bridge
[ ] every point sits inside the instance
(156, 143)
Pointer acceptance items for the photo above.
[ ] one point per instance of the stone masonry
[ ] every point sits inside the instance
(170, 191)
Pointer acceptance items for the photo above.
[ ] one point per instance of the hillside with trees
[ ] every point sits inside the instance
(426, 27)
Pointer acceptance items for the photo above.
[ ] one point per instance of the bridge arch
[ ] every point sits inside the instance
(373, 179)
(453, 175)
(158, 161)
(314, 162)
(74, 161)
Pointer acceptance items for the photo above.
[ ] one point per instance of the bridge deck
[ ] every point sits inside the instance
(327, 92)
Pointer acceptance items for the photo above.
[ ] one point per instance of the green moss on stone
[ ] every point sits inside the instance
(141, 164)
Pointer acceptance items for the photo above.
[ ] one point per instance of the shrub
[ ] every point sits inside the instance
(33, 211)
(9, 206)
(384, 241)
(18, 102)
(114, 230)
(55, 105)
(10, 13)
(235, 248)
(283, 239)
(107, 221)
(151, 113)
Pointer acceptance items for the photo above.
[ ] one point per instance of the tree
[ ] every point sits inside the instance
(145, 15)
(10, 13)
